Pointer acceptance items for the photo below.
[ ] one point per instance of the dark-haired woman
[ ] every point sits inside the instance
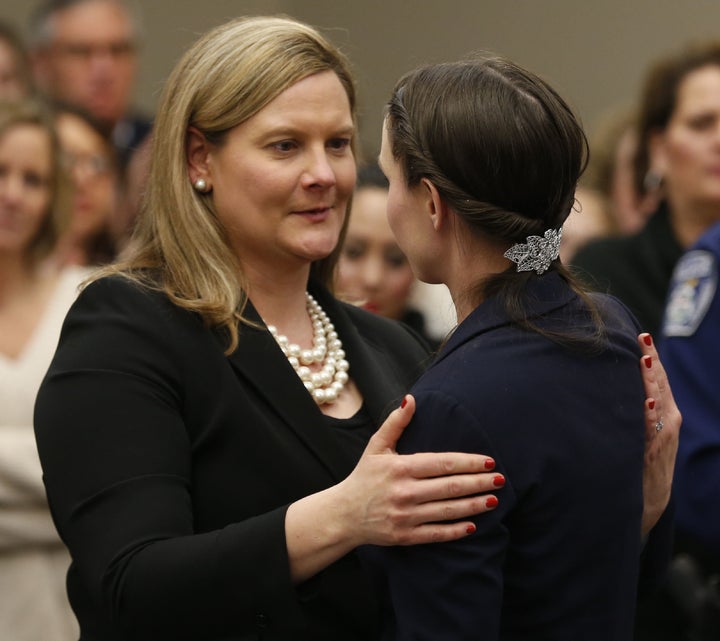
(538, 373)
(34, 297)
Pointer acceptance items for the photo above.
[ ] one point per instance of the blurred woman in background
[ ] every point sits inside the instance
(15, 76)
(35, 294)
(91, 162)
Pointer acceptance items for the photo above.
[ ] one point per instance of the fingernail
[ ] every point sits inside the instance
(648, 361)
(403, 404)
(470, 529)
(491, 502)
(651, 404)
(489, 464)
(499, 480)
(647, 339)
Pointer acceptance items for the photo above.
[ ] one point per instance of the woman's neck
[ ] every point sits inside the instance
(24, 293)
(466, 273)
(689, 220)
(280, 300)
(71, 250)
(16, 275)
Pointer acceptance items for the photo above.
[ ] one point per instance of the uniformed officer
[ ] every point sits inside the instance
(690, 350)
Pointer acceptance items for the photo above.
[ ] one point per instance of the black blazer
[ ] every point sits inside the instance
(169, 468)
(558, 559)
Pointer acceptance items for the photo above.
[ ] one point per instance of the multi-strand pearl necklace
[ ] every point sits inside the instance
(325, 384)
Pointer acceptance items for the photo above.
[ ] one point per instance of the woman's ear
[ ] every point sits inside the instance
(434, 204)
(197, 149)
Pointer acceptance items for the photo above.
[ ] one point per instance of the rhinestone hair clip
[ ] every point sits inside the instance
(538, 253)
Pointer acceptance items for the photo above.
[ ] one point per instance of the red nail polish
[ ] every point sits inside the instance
(491, 502)
(403, 404)
(648, 361)
(647, 340)
(499, 480)
(651, 404)
(470, 529)
(489, 464)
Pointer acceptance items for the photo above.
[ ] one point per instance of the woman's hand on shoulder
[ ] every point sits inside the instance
(390, 499)
(662, 431)
(394, 499)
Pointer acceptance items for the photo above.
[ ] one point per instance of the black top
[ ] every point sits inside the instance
(357, 429)
(169, 467)
(637, 269)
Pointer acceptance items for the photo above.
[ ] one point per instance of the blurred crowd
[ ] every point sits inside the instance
(73, 154)
(67, 140)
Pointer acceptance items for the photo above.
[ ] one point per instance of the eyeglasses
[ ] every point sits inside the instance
(92, 165)
(82, 53)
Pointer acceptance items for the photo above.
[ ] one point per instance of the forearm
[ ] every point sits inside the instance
(318, 533)
(213, 584)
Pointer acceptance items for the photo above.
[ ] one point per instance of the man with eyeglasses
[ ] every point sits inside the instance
(85, 53)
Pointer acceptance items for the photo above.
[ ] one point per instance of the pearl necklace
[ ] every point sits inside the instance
(326, 384)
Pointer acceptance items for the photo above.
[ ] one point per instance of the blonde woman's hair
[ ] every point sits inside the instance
(33, 113)
(230, 74)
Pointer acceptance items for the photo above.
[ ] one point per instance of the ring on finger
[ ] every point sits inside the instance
(659, 425)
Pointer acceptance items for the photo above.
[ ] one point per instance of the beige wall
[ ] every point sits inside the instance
(593, 52)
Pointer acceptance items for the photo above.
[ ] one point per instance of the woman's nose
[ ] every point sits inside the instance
(319, 171)
(372, 272)
(11, 189)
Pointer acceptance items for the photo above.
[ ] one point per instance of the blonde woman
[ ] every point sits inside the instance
(203, 491)
(34, 297)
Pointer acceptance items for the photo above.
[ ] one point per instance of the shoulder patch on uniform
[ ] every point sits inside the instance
(692, 289)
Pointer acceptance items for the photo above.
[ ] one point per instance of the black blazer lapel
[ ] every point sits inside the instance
(261, 364)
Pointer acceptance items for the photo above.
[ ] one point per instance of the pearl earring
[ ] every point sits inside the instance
(200, 185)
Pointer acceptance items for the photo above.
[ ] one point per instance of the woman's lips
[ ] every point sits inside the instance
(315, 214)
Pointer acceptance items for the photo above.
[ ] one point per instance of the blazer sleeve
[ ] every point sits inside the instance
(116, 457)
(435, 589)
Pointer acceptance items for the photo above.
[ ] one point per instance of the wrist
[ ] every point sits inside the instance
(318, 532)
(340, 514)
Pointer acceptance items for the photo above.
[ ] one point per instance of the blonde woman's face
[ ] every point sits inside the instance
(372, 269)
(282, 179)
(25, 185)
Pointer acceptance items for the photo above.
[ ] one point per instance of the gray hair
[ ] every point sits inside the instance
(41, 32)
